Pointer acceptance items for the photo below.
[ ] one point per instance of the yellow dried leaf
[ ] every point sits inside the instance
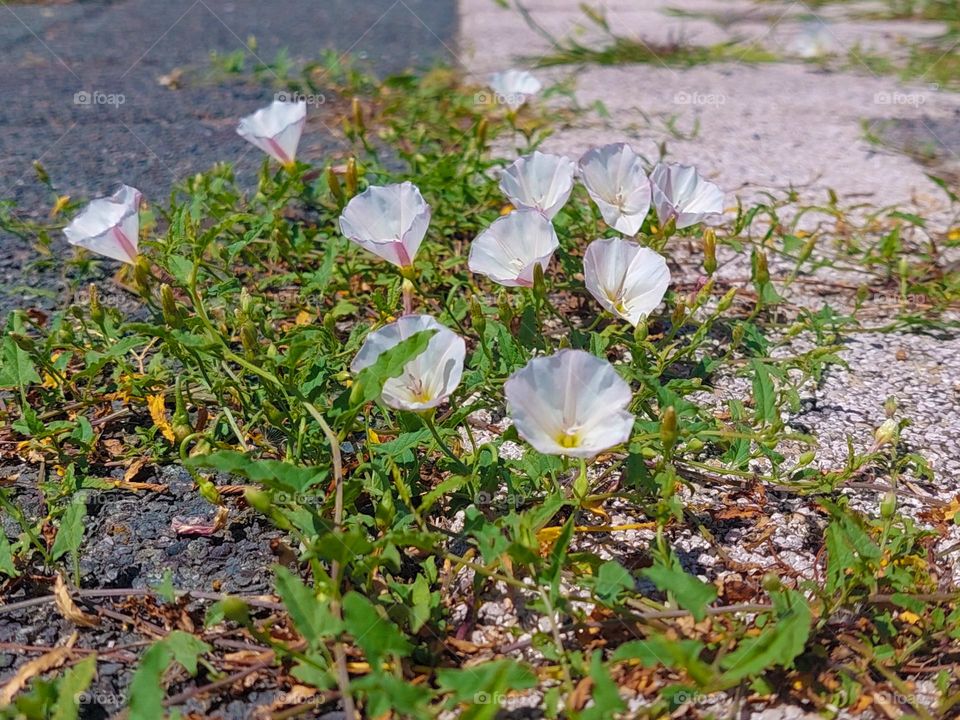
(158, 414)
(59, 205)
(68, 608)
(48, 661)
(303, 318)
(909, 617)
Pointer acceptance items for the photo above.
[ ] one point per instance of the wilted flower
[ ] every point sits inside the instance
(276, 129)
(614, 177)
(109, 226)
(629, 280)
(539, 182)
(679, 192)
(389, 221)
(430, 377)
(571, 403)
(508, 251)
(514, 87)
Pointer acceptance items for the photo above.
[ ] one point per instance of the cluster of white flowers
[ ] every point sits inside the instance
(570, 403)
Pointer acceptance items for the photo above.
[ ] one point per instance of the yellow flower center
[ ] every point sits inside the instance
(568, 439)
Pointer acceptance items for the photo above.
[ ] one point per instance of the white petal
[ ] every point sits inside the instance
(508, 251)
(109, 226)
(615, 179)
(539, 182)
(627, 279)
(428, 379)
(679, 192)
(276, 129)
(513, 87)
(389, 221)
(571, 403)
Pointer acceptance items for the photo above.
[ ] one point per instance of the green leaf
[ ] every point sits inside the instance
(779, 643)
(606, 697)
(70, 534)
(71, 685)
(659, 650)
(16, 367)
(310, 616)
(484, 685)
(690, 592)
(7, 566)
(612, 579)
(186, 648)
(764, 395)
(371, 629)
(390, 364)
(272, 473)
(146, 689)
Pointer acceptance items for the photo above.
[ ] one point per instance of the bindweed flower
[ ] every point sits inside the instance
(109, 226)
(508, 251)
(614, 177)
(430, 377)
(514, 87)
(680, 193)
(627, 279)
(276, 129)
(539, 182)
(389, 221)
(571, 403)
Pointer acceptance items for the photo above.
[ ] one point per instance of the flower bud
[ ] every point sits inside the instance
(481, 132)
(679, 313)
(97, 312)
(336, 189)
(236, 609)
(171, 314)
(771, 582)
(208, 491)
(477, 317)
(761, 272)
(357, 113)
(888, 433)
(668, 428)
(890, 406)
(249, 338)
(888, 505)
(350, 177)
(141, 274)
(640, 332)
(806, 458)
(709, 251)
(504, 309)
(726, 301)
(539, 284)
(257, 499)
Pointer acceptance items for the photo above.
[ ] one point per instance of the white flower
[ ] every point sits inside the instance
(276, 129)
(571, 403)
(614, 177)
(389, 221)
(629, 280)
(109, 226)
(430, 377)
(539, 182)
(508, 251)
(514, 87)
(679, 192)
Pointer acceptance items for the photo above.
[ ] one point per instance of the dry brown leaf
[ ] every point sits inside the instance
(48, 661)
(134, 469)
(68, 608)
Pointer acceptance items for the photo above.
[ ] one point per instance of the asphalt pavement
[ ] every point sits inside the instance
(82, 93)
